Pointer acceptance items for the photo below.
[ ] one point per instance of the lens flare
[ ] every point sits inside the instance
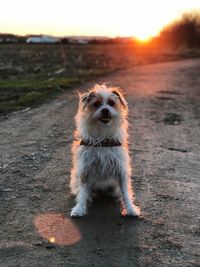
(57, 229)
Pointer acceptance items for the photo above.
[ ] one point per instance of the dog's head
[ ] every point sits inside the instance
(102, 108)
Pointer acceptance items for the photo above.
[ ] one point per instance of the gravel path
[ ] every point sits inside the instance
(36, 229)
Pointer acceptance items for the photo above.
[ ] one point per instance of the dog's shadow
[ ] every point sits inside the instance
(103, 205)
(105, 232)
(104, 215)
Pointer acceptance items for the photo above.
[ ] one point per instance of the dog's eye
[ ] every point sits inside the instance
(97, 104)
(111, 103)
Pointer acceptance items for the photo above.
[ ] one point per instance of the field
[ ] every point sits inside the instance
(30, 74)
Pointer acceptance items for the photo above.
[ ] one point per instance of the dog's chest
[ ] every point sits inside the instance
(103, 163)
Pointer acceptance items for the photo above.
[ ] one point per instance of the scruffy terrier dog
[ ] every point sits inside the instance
(100, 151)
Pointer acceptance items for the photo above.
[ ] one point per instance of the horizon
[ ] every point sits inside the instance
(141, 20)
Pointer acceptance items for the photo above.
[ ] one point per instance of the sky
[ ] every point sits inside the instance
(138, 18)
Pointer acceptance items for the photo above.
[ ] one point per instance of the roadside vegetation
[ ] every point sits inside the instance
(183, 32)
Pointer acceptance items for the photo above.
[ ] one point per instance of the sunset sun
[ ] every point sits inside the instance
(145, 19)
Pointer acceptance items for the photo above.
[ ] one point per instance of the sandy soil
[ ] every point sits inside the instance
(36, 229)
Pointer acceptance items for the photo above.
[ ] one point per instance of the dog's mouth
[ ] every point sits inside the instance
(105, 119)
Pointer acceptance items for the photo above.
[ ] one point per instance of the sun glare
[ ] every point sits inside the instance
(142, 19)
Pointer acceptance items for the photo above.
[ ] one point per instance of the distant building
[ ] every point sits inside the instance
(83, 42)
(11, 40)
(43, 39)
(8, 38)
(78, 40)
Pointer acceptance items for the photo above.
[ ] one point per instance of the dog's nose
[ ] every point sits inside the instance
(105, 111)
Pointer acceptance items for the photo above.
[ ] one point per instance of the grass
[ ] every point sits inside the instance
(32, 90)
(16, 94)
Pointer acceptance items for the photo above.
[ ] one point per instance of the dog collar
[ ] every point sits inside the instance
(103, 143)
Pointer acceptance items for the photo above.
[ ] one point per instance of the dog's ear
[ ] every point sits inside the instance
(121, 98)
(85, 98)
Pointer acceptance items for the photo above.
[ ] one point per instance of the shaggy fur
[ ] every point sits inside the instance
(102, 115)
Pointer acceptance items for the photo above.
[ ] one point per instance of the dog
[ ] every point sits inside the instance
(100, 150)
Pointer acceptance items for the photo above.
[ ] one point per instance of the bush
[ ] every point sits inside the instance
(185, 31)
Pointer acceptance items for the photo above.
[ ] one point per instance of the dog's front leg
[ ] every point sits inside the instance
(127, 195)
(80, 208)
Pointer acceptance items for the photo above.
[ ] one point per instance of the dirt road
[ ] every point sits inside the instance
(36, 229)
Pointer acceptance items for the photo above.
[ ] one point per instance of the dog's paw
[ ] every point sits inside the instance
(133, 211)
(78, 212)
